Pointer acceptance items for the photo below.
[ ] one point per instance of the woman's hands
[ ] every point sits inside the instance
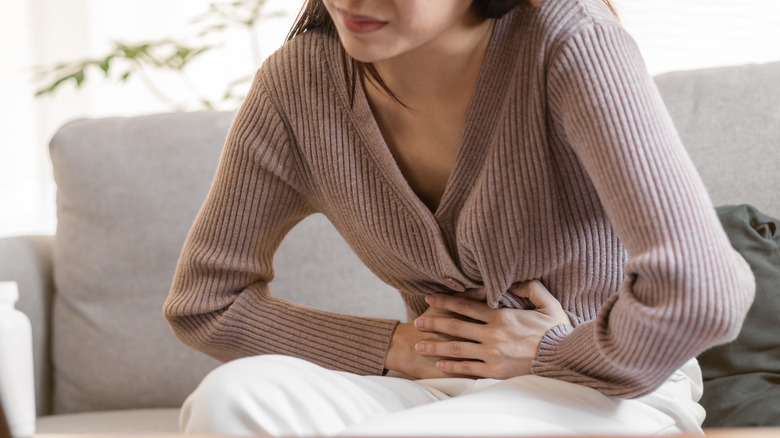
(462, 336)
(403, 357)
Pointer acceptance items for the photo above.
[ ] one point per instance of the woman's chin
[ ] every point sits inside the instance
(364, 56)
(365, 51)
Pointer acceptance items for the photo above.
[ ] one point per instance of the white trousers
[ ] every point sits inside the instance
(283, 396)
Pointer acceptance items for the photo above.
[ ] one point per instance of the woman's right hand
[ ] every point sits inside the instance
(404, 358)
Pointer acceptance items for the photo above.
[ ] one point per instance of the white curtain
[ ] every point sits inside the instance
(673, 35)
(22, 158)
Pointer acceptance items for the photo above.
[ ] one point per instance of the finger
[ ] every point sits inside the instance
(478, 294)
(457, 349)
(535, 291)
(464, 367)
(462, 306)
(454, 327)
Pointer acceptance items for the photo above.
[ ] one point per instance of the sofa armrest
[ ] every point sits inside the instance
(27, 260)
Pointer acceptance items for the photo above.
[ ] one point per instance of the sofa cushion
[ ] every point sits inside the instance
(128, 190)
(27, 260)
(125, 422)
(729, 121)
(742, 378)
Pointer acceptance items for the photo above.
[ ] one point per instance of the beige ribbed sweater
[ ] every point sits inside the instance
(569, 171)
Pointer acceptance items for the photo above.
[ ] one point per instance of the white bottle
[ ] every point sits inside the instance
(17, 389)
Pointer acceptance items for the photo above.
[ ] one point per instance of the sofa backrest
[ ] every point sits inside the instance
(129, 189)
(729, 121)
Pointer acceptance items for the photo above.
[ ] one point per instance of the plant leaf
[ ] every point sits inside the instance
(105, 65)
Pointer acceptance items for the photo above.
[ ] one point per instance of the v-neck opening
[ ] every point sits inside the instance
(472, 139)
(464, 140)
(482, 117)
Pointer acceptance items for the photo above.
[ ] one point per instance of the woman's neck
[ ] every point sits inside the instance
(442, 69)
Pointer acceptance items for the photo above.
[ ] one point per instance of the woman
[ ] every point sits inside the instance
(511, 169)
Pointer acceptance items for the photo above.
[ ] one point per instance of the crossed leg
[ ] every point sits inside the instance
(284, 396)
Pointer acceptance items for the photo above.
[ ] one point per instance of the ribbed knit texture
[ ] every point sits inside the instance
(569, 171)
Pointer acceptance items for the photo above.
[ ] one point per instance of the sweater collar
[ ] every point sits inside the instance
(483, 114)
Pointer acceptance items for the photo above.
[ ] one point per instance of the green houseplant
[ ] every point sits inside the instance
(174, 54)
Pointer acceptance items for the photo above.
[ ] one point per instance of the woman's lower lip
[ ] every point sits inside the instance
(361, 25)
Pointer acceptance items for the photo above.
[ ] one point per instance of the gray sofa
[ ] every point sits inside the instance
(129, 188)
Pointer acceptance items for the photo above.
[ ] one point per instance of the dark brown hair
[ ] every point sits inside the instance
(313, 15)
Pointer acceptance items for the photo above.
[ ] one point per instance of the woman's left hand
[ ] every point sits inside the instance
(502, 343)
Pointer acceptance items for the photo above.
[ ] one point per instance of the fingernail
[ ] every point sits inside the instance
(420, 347)
(419, 323)
(440, 364)
(429, 299)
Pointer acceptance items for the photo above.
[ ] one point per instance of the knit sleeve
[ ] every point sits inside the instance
(685, 288)
(220, 301)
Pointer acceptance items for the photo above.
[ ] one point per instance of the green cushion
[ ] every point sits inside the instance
(742, 378)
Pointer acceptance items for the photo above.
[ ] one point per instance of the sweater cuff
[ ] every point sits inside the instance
(548, 349)
(371, 361)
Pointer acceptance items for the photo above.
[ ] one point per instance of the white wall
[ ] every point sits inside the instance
(689, 34)
(673, 35)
